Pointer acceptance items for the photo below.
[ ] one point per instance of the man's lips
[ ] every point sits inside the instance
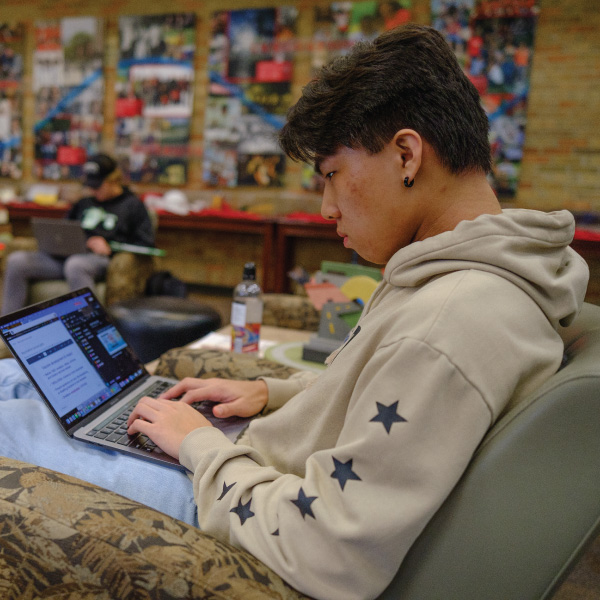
(345, 237)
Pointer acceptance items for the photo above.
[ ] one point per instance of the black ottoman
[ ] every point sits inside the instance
(152, 325)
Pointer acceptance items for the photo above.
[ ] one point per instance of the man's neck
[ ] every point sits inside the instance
(455, 199)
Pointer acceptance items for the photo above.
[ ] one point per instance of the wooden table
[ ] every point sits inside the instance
(20, 214)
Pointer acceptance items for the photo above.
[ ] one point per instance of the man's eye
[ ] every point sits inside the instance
(329, 175)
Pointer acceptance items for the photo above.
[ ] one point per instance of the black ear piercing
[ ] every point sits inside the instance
(408, 183)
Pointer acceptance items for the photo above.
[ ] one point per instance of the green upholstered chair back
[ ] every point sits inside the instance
(529, 502)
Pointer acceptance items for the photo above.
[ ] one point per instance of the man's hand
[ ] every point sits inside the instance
(232, 398)
(165, 422)
(98, 245)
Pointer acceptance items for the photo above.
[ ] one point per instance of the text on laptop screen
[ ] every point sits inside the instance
(77, 357)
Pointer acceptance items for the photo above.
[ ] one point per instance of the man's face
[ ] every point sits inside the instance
(104, 192)
(364, 194)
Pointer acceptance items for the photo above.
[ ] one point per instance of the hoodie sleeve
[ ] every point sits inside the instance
(341, 529)
(141, 232)
(282, 390)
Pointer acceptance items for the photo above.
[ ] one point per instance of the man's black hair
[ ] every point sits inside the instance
(406, 78)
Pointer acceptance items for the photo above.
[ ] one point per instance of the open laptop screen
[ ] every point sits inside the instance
(72, 353)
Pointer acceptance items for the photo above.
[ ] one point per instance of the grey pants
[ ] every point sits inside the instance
(79, 270)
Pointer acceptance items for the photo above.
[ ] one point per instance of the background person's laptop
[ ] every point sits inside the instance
(87, 373)
(59, 237)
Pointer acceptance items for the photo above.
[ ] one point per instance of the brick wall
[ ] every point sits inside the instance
(561, 166)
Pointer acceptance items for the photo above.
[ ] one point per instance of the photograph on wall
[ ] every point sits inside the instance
(154, 97)
(493, 41)
(250, 65)
(68, 86)
(261, 169)
(340, 25)
(12, 48)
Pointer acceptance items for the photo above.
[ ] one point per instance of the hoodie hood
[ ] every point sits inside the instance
(529, 248)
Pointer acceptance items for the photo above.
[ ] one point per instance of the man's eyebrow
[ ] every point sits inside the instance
(319, 160)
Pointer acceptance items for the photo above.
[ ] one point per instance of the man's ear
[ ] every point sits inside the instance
(410, 146)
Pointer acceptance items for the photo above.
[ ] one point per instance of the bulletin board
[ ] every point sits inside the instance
(68, 85)
(250, 70)
(11, 99)
(340, 25)
(493, 41)
(155, 81)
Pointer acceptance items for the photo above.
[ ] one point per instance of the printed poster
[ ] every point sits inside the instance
(250, 65)
(337, 28)
(12, 47)
(154, 103)
(341, 24)
(493, 41)
(69, 88)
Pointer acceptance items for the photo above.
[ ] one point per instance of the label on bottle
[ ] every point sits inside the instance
(244, 336)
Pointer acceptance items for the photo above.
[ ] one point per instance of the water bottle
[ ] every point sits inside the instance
(246, 312)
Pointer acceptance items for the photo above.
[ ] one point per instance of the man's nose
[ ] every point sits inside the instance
(329, 208)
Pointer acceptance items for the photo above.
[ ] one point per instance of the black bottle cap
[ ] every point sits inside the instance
(249, 271)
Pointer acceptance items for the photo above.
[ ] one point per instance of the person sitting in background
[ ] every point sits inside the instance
(111, 213)
(331, 487)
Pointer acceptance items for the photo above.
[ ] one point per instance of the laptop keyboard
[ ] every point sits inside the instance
(114, 429)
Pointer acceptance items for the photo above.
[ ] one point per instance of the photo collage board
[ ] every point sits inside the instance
(251, 67)
(154, 97)
(251, 63)
(493, 41)
(68, 86)
(337, 28)
(12, 44)
(340, 25)
(250, 71)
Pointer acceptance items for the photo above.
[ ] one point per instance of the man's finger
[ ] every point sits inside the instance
(174, 392)
(146, 408)
(139, 426)
(224, 410)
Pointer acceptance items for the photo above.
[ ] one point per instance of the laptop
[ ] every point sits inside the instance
(59, 237)
(88, 375)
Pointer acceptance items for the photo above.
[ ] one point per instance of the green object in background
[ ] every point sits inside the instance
(290, 354)
(337, 320)
(120, 247)
(350, 269)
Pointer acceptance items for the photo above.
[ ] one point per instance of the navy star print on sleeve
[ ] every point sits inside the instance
(243, 510)
(303, 503)
(388, 415)
(226, 488)
(343, 472)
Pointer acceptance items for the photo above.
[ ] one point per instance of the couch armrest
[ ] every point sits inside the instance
(207, 362)
(17, 243)
(127, 275)
(62, 534)
(291, 311)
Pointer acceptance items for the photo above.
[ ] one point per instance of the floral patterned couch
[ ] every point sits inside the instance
(62, 537)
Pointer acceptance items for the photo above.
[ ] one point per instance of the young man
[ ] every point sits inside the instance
(332, 488)
(112, 213)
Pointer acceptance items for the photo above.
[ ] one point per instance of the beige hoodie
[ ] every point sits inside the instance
(332, 488)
